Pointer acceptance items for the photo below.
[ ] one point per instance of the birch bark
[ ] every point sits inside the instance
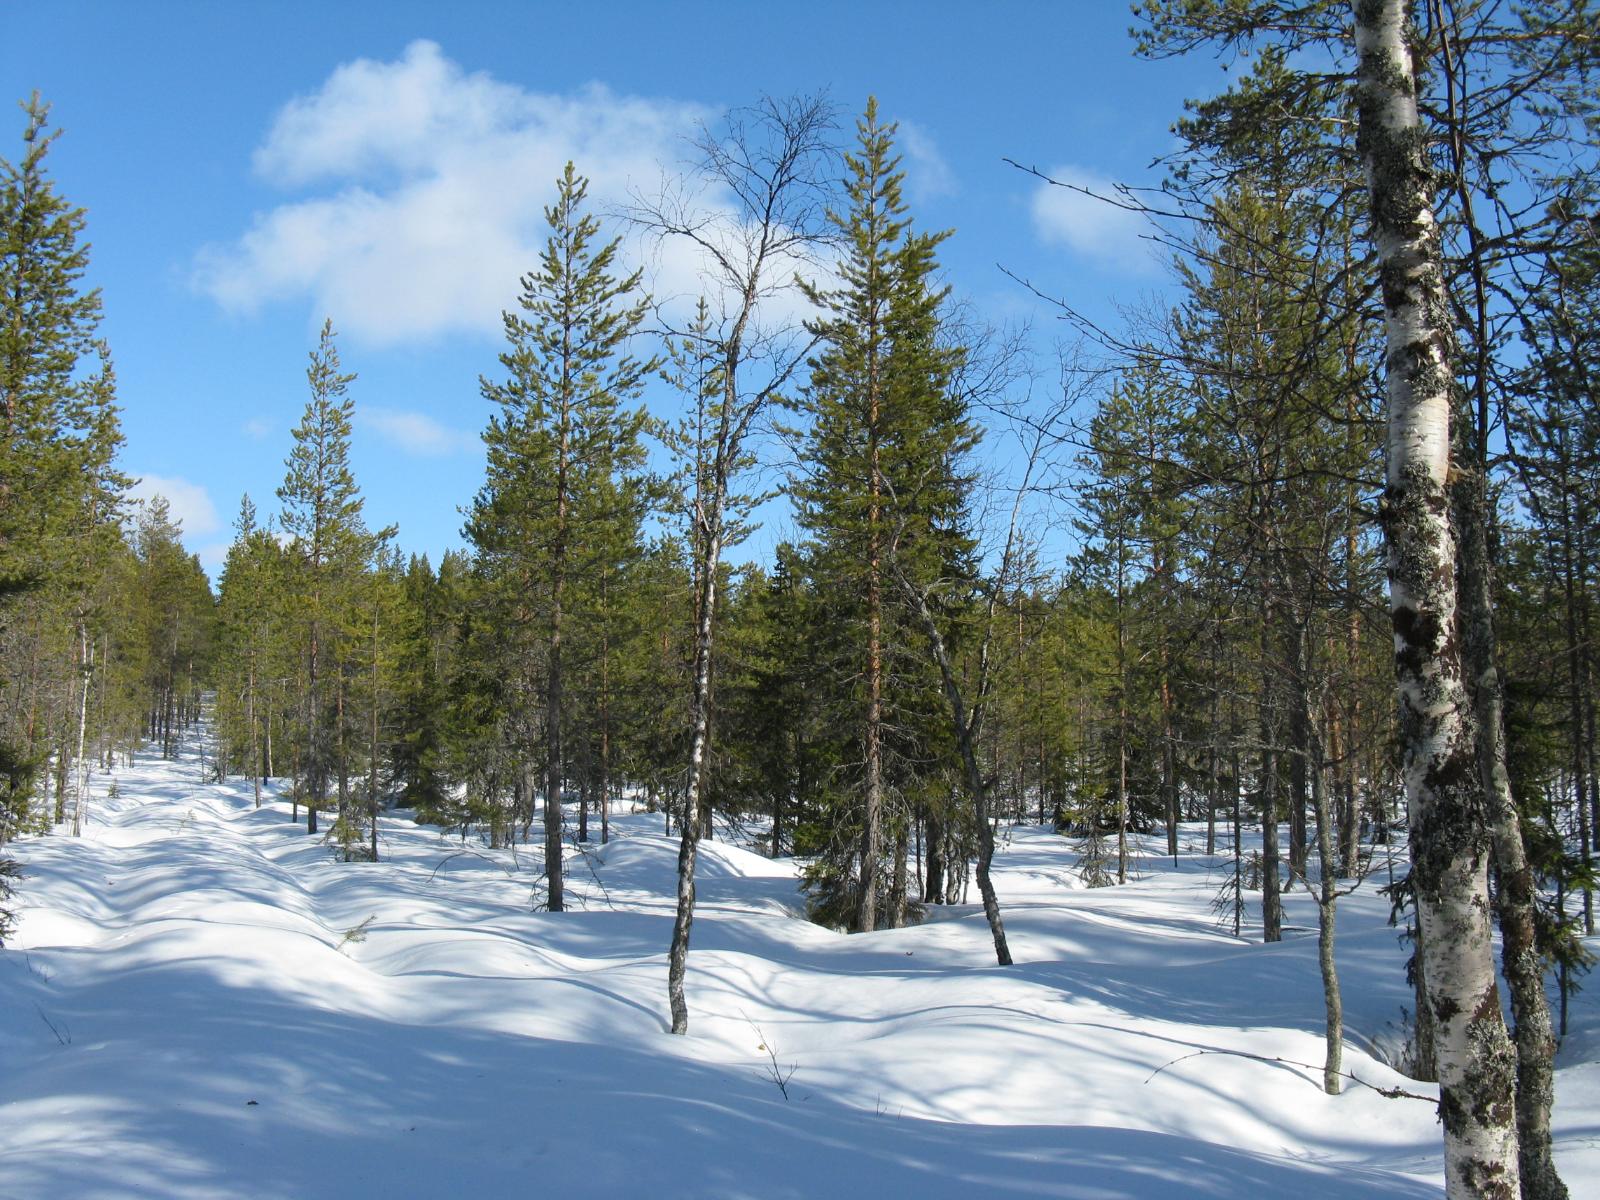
(1448, 815)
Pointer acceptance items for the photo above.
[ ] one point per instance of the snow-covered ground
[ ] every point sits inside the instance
(183, 1015)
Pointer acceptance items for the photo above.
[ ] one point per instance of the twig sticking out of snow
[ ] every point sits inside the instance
(772, 1070)
(1394, 1093)
(356, 934)
(63, 1031)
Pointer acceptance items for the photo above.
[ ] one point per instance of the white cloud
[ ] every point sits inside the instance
(257, 427)
(416, 433)
(928, 175)
(190, 503)
(431, 185)
(1089, 226)
(213, 556)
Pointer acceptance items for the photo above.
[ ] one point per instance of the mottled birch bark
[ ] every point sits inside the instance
(1448, 816)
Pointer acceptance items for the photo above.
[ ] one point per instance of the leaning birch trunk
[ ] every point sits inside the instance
(700, 736)
(1447, 814)
(1515, 903)
(969, 762)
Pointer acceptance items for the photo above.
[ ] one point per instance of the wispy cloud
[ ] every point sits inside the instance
(189, 503)
(1089, 226)
(928, 175)
(257, 427)
(416, 433)
(428, 185)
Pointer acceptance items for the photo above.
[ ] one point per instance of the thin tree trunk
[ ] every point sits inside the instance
(1271, 892)
(605, 737)
(699, 739)
(1516, 900)
(553, 765)
(1327, 898)
(250, 724)
(317, 767)
(872, 833)
(897, 882)
(1238, 846)
(974, 775)
(81, 800)
(372, 770)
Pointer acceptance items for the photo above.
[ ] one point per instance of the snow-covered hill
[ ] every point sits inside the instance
(187, 1011)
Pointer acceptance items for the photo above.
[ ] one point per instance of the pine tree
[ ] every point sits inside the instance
(59, 487)
(425, 642)
(322, 513)
(250, 602)
(560, 451)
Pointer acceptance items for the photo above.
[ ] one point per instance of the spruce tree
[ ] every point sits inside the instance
(881, 453)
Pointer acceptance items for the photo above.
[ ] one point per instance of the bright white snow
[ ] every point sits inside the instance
(182, 1015)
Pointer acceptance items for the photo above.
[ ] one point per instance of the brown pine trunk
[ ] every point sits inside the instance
(872, 818)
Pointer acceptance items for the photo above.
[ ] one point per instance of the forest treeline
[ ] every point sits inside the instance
(1181, 609)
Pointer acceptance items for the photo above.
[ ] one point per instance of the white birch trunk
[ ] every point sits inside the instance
(1448, 815)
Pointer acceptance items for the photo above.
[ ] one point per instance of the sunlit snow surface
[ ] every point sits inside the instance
(181, 1015)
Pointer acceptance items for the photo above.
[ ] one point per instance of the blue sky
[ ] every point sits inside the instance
(251, 167)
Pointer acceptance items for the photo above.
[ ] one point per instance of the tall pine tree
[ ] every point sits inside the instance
(557, 449)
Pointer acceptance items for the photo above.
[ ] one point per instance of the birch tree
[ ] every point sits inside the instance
(767, 169)
(1449, 824)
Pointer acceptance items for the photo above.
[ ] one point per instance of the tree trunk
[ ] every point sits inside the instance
(699, 739)
(871, 832)
(315, 766)
(250, 724)
(933, 874)
(1516, 900)
(1447, 812)
(372, 769)
(1271, 894)
(974, 775)
(81, 800)
(553, 764)
(1327, 902)
(897, 883)
(605, 738)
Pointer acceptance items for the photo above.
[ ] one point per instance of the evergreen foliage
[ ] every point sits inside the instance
(559, 515)
(882, 481)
